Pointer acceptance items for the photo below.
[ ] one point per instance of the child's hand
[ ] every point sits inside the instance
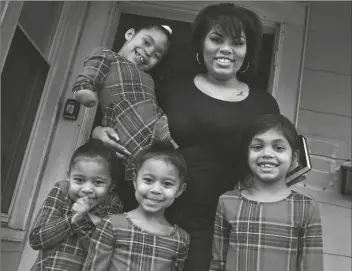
(95, 219)
(86, 97)
(80, 208)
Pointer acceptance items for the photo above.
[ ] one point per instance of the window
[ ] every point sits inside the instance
(41, 29)
(3, 5)
(22, 82)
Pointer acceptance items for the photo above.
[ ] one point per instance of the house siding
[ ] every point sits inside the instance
(11, 251)
(325, 118)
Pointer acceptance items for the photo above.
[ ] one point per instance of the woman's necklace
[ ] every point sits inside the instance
(221, 92)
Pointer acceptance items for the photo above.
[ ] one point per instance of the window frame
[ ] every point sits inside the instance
(48, 58)
(23, 125)
(9, 18)
(33, 164)
(10, 14)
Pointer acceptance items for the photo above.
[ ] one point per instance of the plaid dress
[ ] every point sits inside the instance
(127, 98)
(118, 244)
(276, 236)
(63, 244)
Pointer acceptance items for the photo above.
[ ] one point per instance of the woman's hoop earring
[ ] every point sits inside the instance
(245, 68)
(197, 57)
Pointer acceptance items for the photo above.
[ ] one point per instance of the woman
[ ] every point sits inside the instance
(207, 115)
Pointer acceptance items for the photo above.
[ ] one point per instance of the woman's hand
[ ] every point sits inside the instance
(110, 138)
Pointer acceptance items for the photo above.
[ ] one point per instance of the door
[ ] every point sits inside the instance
(180, 59)
(287, 19)
(285, 25)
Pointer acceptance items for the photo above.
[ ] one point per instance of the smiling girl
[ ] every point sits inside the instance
(67, 219)
(126, 90)
(143, 239)
(265, 226)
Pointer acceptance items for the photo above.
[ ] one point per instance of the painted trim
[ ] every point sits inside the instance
(34, 161)
(178, 11)
(65, 11)
(4, 5)
(269, 11)
(4, 217)
(43, 100)
(52, 52)
(8, 26)
(274, 60)
(12, 235)
(39, 51)
(21, 180)
(299, 94)
(279, 40)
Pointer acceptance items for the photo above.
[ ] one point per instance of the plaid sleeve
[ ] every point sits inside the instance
(183, 252)
(101, 247)
(51, 225)
(220, 239)
(84, 229)
(115, 205)
(310, 256)
(161, 129)
(95, 70)
(133, 120)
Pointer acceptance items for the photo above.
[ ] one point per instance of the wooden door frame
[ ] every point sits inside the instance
(290, 20)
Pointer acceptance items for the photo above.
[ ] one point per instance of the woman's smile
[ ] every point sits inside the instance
(224, 61)
(223, 57)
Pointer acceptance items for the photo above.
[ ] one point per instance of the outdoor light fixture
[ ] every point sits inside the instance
(346, 179)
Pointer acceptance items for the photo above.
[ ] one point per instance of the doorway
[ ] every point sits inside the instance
(181, 52)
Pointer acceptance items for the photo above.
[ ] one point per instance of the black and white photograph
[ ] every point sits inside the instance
(176, 135)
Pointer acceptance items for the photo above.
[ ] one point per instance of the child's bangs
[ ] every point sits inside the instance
(287, 131)
(228, 26)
